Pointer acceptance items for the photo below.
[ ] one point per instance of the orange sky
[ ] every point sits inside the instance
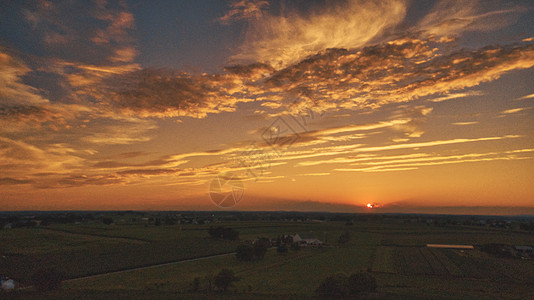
(411, 105)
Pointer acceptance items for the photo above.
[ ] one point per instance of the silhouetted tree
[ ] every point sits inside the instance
(244, 253)
(334, 286)
(359, 283)
(260, 247)
(195, 285)
(224, 279)
(282, 249)
(344, 238)
(223, 233)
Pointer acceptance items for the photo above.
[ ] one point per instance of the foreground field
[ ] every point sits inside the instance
(393, 252)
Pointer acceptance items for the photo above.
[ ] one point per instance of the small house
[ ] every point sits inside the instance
(306, 240)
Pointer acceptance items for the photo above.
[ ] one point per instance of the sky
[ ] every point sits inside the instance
(410, 106)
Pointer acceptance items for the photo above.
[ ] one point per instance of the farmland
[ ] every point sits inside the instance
(392, 250)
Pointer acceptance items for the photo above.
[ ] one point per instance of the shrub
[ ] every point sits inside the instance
(334, 286)
(224, 279)
(223, 233)
(361, 283)
(244, 253)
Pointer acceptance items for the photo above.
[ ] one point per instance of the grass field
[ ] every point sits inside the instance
(393, 252)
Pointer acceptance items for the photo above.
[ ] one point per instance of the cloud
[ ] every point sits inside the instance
(388, 164)
(289, 37)
(456, 96)
(513, 110)
(20, 158)
(527, 97)
(464, 123)
(314, 174)
(13, 181)
(120, 130)
(368, 155)
(244, 9)
(12, 90)
(453, 17)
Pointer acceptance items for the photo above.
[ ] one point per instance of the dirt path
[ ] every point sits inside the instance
(149, 267)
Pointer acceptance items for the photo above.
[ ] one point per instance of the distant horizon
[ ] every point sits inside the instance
(503, 211)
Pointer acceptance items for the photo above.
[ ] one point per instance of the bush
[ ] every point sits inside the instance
(224, 279)
(223, 233)
(260, 247)
(361, 283)
(334, 286)
(255, 251)
(47, 279)
(344, 238)
(244, 253)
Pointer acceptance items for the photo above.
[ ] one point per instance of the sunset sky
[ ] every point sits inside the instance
(415, 106)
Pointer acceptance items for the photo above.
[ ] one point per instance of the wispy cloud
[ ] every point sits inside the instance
(513, 110)
(465, 123)
(456, 96)
(244, 9)
(527, 97)
(284, 39)
(388, 164)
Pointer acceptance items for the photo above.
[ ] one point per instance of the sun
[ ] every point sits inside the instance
(369, 205)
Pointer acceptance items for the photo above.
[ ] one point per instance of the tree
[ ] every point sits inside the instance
(334, 286)
(344, 238)
(260, 247)
(223, 233)
(359, 283)
(195, 285)
(47, 279)
(224, 279)
(244, 253)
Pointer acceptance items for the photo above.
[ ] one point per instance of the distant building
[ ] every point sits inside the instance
(306, 240)
(7, 284)
(523, 249)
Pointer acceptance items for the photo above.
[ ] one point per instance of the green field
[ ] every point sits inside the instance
(393, 252)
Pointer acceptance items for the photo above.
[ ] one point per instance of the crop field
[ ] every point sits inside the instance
(394, 254)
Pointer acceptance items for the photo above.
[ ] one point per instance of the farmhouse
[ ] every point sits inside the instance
(7, 284)
(306, 240)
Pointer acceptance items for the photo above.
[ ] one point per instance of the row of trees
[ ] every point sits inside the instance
(220, 282)
(221, 232)
(256, 251)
